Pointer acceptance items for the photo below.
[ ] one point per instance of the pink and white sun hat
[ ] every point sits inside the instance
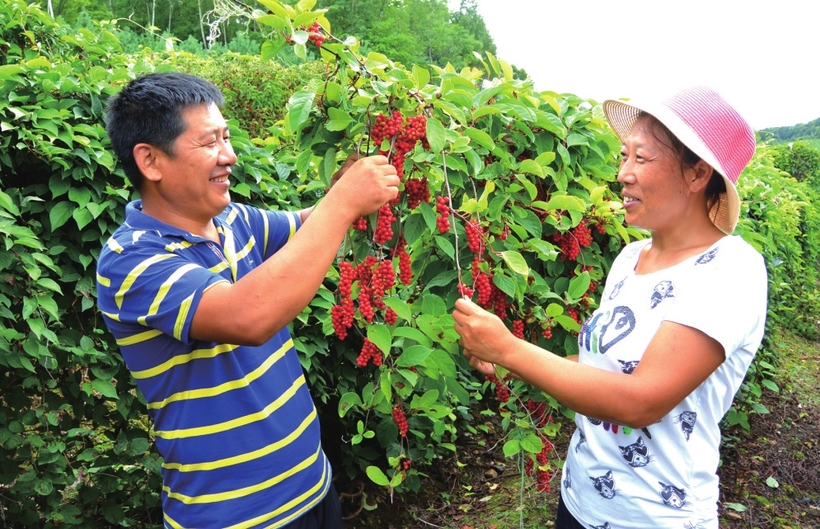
(709, 126)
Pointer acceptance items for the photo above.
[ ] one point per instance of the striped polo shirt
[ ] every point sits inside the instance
(235, 425)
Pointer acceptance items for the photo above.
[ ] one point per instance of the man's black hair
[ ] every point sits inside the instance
(149, 110)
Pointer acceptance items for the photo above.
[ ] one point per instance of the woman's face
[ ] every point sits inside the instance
(654, 191)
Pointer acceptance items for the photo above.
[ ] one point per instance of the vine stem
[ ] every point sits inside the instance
(452, 221)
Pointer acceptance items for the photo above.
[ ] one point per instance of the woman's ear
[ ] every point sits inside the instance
(146, 158)
(701, 174)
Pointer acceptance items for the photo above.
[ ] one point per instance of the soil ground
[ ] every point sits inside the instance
(770, 475)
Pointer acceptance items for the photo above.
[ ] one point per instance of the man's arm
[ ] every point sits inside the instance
(264, 301)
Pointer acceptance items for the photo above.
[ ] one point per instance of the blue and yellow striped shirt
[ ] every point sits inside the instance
(236, 425)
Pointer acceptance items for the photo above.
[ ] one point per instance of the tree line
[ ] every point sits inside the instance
(407, 31)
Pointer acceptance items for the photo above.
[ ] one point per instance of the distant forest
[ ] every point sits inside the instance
(809, 132)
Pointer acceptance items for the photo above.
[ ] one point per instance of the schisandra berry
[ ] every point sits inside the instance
(443, 210)
(518, 329)
(400, 420)
(384, 225)
(369, 352)
(474, 234)
(502, 392)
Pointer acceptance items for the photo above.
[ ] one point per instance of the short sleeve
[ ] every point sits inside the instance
(143, 287)
(726, 296)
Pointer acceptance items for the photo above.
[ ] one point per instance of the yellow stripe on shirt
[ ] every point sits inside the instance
(221, 388)
(244, 458)
(234, 423)
(134, 274)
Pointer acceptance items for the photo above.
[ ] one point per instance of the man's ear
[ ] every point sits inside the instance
(146, 158)
(702, 173)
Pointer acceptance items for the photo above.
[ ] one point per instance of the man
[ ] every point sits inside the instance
(198, 291)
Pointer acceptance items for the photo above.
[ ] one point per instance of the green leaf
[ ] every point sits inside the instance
(563, 202)
(532, 167)
(380, 336)
(400, 307)
(737, 507)
(511, 447)
(436, 135)
(339, 119)
(480, 137)
(412, 334)
(414, 356)
(516, 262)
(578, 286)
(105, 387)
(300, 106)
(532, 443)
(60, 214)
(347, 401)
(7, 204)
(772, 482)
(377, 476)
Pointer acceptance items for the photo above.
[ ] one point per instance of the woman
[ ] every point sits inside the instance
(681, 317)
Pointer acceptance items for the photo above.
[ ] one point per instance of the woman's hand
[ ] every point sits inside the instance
(484, 337)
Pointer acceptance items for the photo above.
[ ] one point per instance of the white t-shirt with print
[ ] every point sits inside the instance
(664, 476)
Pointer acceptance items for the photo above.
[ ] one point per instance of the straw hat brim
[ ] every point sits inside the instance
(622, 116)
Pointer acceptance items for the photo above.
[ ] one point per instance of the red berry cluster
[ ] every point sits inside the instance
(401, 420)
(547, 332)
(573, 313)
(405, 463)
(571, 242)
(465, 291)
(369, 351)
(315, 34)
(502, 392)
(418, 191)
(376, 277)
(518, 329)
(474, 236)
(405, 268)
(342, 316)
(404, 134)
(360, 224)
(542, 477)
(538, 413)
(384, 225)
(443, 210)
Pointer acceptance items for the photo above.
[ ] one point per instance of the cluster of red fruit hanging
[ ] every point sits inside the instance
(315, 34)
(376, 276)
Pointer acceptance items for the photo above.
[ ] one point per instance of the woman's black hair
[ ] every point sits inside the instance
(149, 110)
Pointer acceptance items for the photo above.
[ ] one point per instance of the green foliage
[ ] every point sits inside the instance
(532, 169)
(803, 131)
(256, 90)
(800, 159)
(71, 419)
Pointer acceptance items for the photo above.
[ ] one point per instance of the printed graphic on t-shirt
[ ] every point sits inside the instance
(707, 257)
(628, 366)
(606, 329)
(672, 495)
(605, 485)
(687, 421)
(636, 454)
(662, 291)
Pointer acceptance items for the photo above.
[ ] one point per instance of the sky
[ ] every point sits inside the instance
(762, 56)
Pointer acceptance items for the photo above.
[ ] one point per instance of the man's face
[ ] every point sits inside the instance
(194, 187)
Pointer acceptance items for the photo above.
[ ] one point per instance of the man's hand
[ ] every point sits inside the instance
(368, 184)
